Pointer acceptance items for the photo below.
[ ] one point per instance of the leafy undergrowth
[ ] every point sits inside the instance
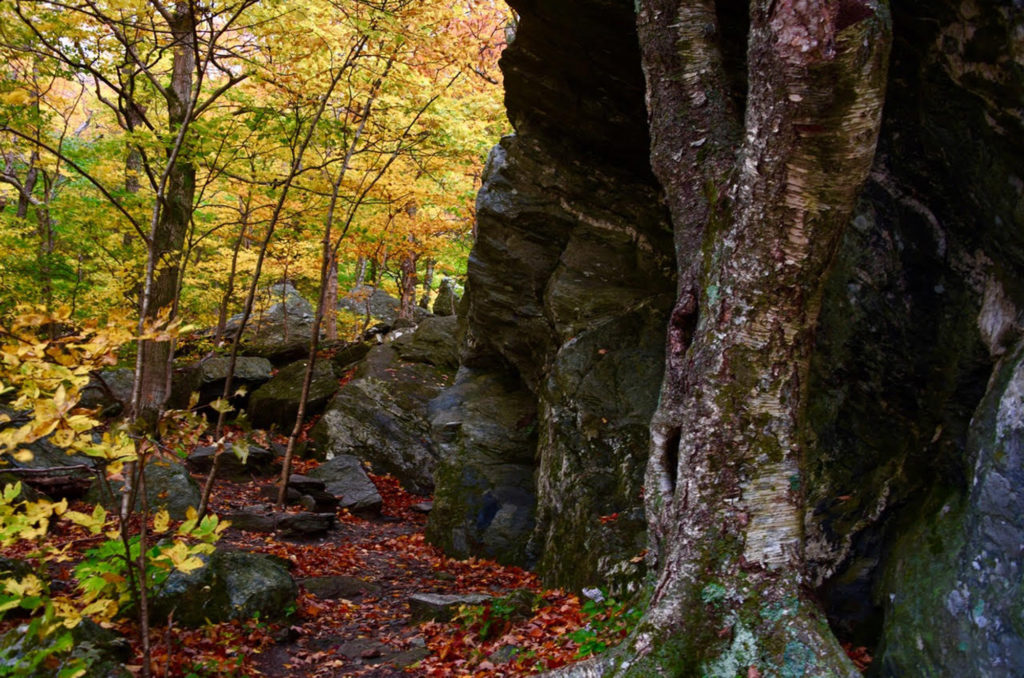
(370, 634)
(523, 630)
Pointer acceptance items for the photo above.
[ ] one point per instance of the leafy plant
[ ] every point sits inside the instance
(495, 617)
(608, 621)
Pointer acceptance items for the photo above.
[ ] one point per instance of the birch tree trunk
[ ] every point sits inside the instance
(758, 207)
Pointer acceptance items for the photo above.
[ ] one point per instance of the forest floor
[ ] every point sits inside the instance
(371, 632)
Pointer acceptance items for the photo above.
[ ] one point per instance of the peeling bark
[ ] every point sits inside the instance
(758, 215)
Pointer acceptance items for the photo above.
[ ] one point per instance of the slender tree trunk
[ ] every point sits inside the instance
(173, 221)
(330, 303)
(229, 288)
(428, 283)
(360, 270)
(723, 488)
(407, 285)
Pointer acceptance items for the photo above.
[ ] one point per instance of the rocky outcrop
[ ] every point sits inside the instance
(380, 417)
(276, 403)
(568, 288)
(565, 306)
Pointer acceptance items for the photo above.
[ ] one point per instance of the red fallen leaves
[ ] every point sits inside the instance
(216, 649)
(398, 502)
(391, 555)
(859, 656)
(529, 646)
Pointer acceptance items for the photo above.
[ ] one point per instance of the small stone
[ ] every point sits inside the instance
(304, 483)
(441, 607)
(305, 524)
(339, 586)
(252, 520)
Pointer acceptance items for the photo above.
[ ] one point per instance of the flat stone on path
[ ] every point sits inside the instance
(261, 519)
(442, 607)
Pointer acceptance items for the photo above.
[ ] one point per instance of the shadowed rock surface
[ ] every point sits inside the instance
(276, 403)
(232, 585)
(380, 417)
(912, 519)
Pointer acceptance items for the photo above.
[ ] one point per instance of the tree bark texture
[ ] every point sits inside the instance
(173, 221)
(758, 209)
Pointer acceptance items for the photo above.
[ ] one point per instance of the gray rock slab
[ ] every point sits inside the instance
(440, 606)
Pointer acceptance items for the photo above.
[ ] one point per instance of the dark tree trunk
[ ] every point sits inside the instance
(758, 210)
(173, 222)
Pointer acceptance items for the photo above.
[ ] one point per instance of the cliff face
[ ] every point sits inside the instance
(913, 507)
(569, 285)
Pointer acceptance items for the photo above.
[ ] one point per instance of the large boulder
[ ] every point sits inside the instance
(168, 486)
(207, 377)
(281, 326)
(231, 585)
(433, 342)
(380, 416)
(485, 427)
(276, 403)
(345, 478)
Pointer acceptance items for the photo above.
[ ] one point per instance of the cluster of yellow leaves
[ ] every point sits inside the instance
(44, 379)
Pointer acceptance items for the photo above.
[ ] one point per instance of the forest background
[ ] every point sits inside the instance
(161, 166)
(183, 137)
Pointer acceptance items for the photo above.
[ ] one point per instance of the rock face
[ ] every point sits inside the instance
(232, 585)
(380, 416)
(486, 430)
(952, 594)
(276, 403)
(207, 377)
(568, 288)
(913, 510)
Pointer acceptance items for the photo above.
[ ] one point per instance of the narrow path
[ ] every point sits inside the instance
(353, 616)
